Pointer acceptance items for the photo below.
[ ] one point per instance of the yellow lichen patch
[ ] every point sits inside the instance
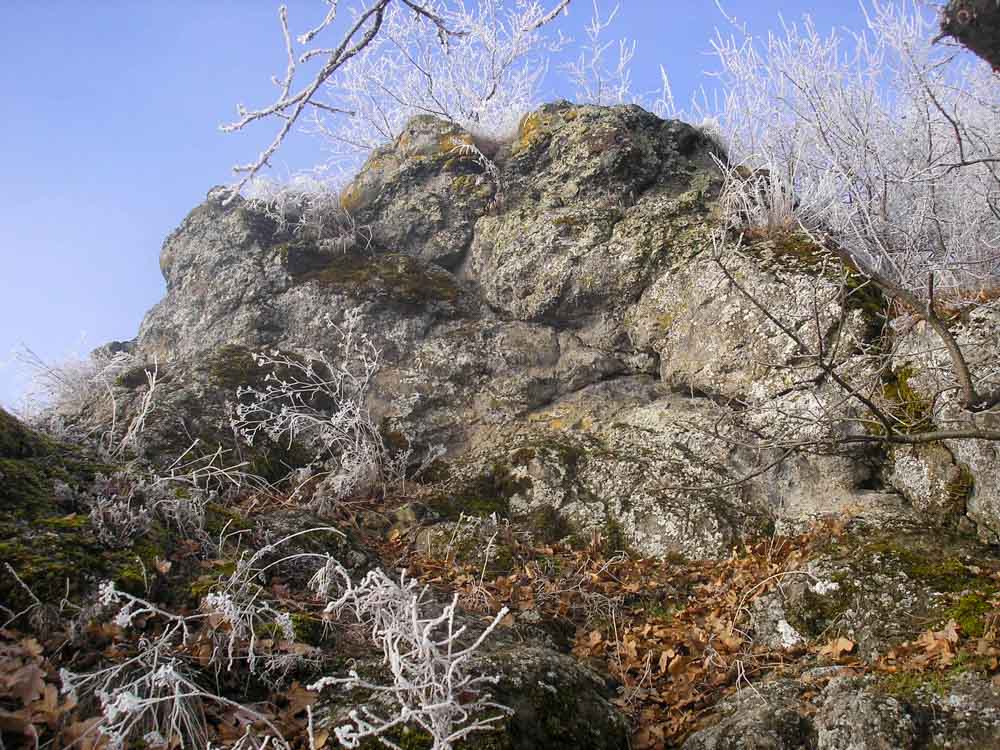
(664, 321)
(530, 131)
(463, 183)
(352, 197)
(472, 185)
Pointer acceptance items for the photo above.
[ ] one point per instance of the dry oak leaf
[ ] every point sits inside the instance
(836, 648)
(26, 683)
(940, 643)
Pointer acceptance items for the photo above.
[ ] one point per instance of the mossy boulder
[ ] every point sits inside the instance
(881, 586)
(558, 704)
(45, 537)
(390, 278)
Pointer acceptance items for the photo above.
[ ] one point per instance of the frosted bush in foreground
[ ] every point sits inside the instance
(117, 521)
(152, 694)
(432, 685)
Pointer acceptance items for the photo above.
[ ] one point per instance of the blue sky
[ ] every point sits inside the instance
(110, 136)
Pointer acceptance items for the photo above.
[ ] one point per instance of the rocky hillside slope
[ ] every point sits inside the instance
(601, 380)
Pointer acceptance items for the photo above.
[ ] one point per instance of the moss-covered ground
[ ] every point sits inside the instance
(44, 537)
(671, 636)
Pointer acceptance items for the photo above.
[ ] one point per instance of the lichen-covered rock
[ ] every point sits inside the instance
(855, 718)
(558, 704)
(769, 717)
(879, 585)
(928, 476)
(712, 335)
(280, 289)
(959, 474)
(843, 712)
(421, 195)
(572, 287)
(596, 202)
(641, 471)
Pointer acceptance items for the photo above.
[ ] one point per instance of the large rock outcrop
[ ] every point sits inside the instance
(572, 297)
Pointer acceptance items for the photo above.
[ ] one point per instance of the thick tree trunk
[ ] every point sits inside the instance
(975, 24)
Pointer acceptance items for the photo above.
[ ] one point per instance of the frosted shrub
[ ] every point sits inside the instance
(320, 402)
(885, 142)
(486, 75)
(309, 204)
(148, 697)
(152, 695)
(78, 400)
(238, 609)
(67, 387)
(432, 684)
(597, 77)
(118, 521)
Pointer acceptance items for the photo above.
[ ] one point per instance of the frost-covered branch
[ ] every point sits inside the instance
(596, 81)
(432, 685)
(885, 142)
(399, 58)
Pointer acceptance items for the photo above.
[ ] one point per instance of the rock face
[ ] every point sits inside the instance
(954, 476)
(850, 713)
(562, 319)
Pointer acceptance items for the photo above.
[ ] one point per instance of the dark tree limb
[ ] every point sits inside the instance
(975, 24)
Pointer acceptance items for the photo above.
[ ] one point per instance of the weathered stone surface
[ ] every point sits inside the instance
(421, 195)
(852, 717)
(558, 703)
(596, 203)
(952, 476)
(878, 587)
(642, 470)
(769, 718)
(557, 289)
(712, 335)
(853, 713)
(585, 259)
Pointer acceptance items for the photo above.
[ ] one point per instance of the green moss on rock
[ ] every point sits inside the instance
(232, 366)
(912, 411)
(17, 441)
(61, 556)
(970, 611)
(53, 548)
(394, 277)
(487, 493)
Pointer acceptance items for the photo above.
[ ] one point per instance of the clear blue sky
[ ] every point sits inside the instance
(109, 136)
